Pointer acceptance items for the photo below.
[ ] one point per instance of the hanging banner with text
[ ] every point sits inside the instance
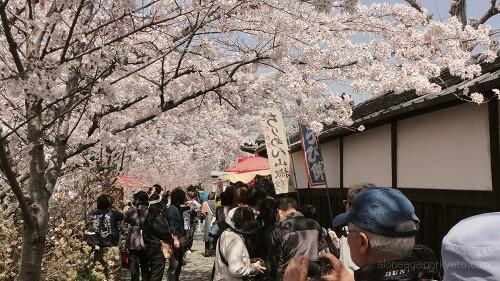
(312, 157)
(277, 149)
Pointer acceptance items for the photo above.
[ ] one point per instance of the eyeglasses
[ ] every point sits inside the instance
(345, 231)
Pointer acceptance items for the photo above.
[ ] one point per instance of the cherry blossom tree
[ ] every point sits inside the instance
(177, 83)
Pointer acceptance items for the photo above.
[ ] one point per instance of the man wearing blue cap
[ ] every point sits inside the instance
(381, 234)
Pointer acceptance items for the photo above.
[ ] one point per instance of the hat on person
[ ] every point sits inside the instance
(243, 220)
(471, 249)
(380, 210)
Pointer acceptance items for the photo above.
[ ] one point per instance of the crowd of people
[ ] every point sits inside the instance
(159, 226)
(255, 235)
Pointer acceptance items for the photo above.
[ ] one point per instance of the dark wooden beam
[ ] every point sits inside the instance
(453, 198)
(494, 147)
(341, 162)
(394, 153)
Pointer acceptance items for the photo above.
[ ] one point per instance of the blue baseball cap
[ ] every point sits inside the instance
(380, 210)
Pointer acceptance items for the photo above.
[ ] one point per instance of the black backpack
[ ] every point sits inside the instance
(100, 233)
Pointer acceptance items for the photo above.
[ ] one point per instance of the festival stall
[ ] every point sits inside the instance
(131, 185)
(247, 168)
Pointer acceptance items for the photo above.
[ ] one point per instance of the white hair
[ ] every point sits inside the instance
(385, 247)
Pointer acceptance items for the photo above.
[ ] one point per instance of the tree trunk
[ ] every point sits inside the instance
(38, 196)
(33, 249)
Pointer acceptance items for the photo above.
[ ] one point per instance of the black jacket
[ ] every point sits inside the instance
(176, 221)
(293, 236)
(155, 228)
(402, 270)
(103, 228)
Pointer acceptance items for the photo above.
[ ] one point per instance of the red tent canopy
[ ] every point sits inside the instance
(250, 163)
(131, 185)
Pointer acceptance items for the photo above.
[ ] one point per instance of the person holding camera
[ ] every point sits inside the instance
(381, 229)
(293, 235)
(232, 261)
(330, 268)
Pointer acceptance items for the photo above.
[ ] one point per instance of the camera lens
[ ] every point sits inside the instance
(314, 269)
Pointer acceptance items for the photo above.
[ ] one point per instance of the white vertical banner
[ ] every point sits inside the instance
(277, 149)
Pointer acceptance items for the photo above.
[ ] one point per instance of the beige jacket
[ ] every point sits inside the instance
(232, 247)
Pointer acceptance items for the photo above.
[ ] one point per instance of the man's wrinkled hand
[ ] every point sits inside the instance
(297, 269)
(338, 272)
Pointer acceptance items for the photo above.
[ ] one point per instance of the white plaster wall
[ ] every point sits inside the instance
(331, 158)
(446, 149)
(299, 168)
(367, 157)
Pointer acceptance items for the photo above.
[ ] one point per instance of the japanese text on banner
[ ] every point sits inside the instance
(312, 157)
(277, 149)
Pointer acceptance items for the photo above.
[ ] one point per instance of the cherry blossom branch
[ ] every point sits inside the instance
(218, 93)
(184, 52)
(71, 30)
(167, 106)
(341, 65)
(123, 36)
(51, 104)
(94, 30)
(162, 56)
(17, 134)
(79, 118)
(15, 16)
(458, 9)
(112, 109)
(65, 112)
(493, 10)
(53, 8)
(113, 82)
(80, 148)
(49, 37)
(173, 104)
(415, 4)
(10, 39)
(6, 169)
(119, 18)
